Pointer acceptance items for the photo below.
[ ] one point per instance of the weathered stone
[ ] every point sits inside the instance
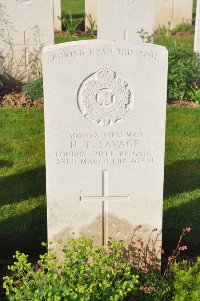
(105, 137)
(25, 27)
(169, 13)
(197, 29)
(125, 19)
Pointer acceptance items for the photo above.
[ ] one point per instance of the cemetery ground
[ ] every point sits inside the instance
(22, 184)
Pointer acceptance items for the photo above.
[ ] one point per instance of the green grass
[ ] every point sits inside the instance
(22, 181)
(182, 175)
(70, 39)
(167, 42)
(75, 6)
(186, 42)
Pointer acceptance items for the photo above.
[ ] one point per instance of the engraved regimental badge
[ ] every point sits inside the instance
(24, 2)
(105, 98)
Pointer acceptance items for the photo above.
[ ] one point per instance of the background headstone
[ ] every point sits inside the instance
(91, 9)
(57, 13)
(105, 137)
(197, 29)
(25, 27)
(169, 13)
(122, 19)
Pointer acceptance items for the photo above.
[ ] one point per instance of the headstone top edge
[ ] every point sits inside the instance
(103, 42)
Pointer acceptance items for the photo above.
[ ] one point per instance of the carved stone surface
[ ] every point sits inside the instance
(105, 136)
(25, 27)
(169, 13)
(90, 9)
(124, 19)
(24, 2)
(105, 98)
(57, 13)
(197, 29)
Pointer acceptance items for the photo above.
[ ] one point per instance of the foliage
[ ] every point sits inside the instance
(34, 88)
(186, 281)
(92, 23)
(164, 31)
(176, 252)
(153, 287)
(195, 94)
(144, 254)
(70, 24)
(184, 27)
(145, 36)
(86, 273)
(184, 71)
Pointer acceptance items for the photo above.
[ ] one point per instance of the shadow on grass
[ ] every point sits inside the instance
(19, 187)
(5, 163)
(182, 176)
(177, 218)
(33, 231)
(23, 232)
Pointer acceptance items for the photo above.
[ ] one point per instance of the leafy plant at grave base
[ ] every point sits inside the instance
(144, 255)
(153, 287)
(87, 273)
(164, 31)
(92, 23)
(70, 24)
(34, 88)
(176, 252)
(184, 72)
(186, 281)
(184, 27)
(195, 94)
(145, 36)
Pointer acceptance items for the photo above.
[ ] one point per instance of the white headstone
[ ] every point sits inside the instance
(169, 13)
(105, 137)
(25, 27)
(197, 29)
(57, 13)
(90, 9)
(123, 19)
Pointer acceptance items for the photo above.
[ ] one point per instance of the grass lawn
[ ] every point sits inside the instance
(182, 176)
(186, 42)
(22, 182)
(74, 6)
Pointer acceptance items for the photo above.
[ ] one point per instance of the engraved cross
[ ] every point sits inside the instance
(26, 45)
(104, 199)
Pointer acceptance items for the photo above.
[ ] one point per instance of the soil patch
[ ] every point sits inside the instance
(183, 103)
(13, 97)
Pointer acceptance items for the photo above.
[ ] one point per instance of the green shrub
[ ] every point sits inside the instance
(34, 88)
(70, 24)
(153, 287)
(186, 281)
(87, 273)
(184, 27)
(184, 71)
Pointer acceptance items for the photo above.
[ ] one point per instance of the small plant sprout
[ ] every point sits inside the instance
(145, 36)
(179, 248)
(70, 24)
(92, 23)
